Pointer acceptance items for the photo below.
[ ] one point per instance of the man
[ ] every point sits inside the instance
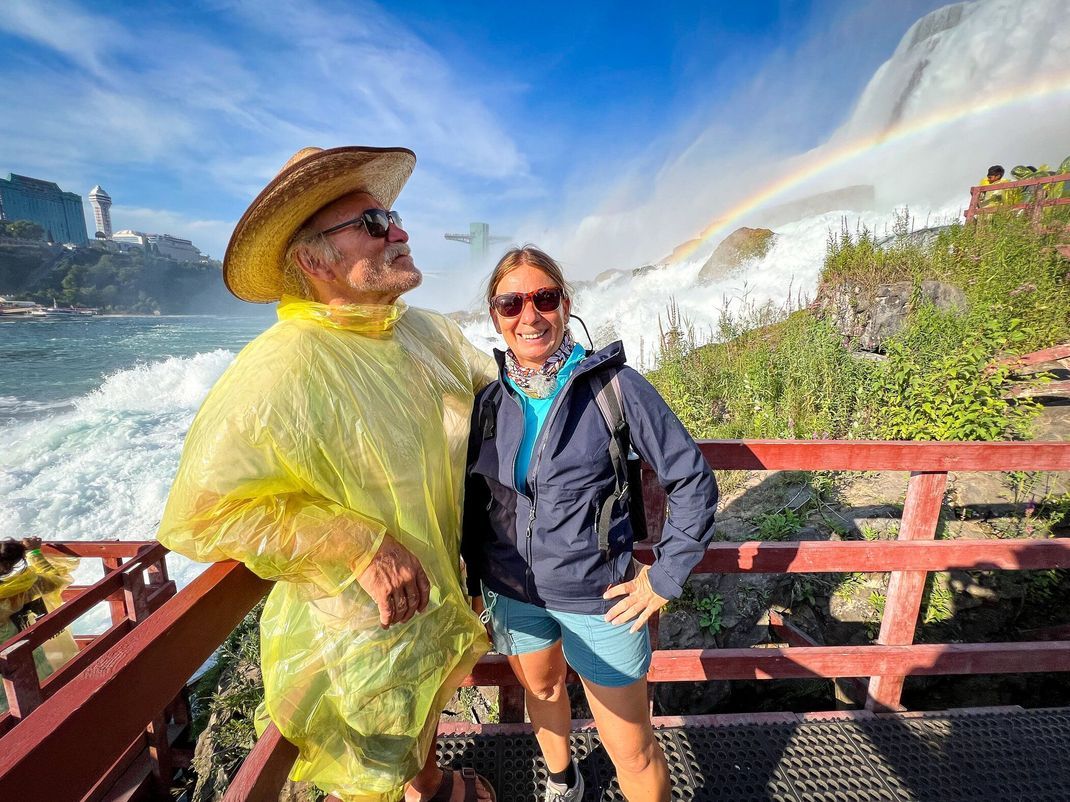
(330, 458)
(994, 176)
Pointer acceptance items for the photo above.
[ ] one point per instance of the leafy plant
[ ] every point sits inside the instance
(709, 613)
(939, 600)
(779, 525)
(1045, 586)
(849, 584)
(877, 601)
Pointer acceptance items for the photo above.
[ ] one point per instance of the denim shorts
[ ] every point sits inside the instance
(600, 652)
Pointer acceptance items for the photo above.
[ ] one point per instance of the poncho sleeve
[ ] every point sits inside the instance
(255, 482)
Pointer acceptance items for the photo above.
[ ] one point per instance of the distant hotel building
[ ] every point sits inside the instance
(101, 203)
(59, 213)
(181, 250)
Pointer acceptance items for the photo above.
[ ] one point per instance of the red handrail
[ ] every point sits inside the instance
(977, 192)
(147, 667)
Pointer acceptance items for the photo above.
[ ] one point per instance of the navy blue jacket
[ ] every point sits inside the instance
(542, 547)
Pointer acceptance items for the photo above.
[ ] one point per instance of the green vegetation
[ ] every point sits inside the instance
(21, 229)
(787, 372)
(779, 525)
(939, 604)
(127, 281)
(709, 613)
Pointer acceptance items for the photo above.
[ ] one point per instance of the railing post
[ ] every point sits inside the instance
(136, 598)
(21, 684)
(921, 514)
(970, 212)
(118, 608)
(511, 705)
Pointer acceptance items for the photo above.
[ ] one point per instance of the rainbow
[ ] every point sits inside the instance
(1051, 85)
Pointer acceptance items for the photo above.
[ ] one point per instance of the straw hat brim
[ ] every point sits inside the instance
(253, 264)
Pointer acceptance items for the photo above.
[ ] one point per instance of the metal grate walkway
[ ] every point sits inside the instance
(1003, 755)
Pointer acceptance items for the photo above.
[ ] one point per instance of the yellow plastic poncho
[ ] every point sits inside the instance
(29, 594)
(333, 427)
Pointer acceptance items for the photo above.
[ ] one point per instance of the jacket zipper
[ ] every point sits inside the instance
(529, 585)
(533, 472)
(528, 576)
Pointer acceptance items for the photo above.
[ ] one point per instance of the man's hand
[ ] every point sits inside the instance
(639, 600)
(31, 543)
(396, 582)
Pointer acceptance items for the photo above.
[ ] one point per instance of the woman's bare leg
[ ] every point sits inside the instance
(542, 674)
(623, 719)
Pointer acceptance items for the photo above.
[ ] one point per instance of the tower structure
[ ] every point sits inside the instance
(101, 203)
(478, 239)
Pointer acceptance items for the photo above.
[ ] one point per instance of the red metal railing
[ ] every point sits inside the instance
(1039, 200)
(147, 668)
(131, 595)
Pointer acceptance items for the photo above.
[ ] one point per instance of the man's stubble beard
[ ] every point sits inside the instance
(382, 275)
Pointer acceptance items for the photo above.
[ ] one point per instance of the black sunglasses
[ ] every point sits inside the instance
(511, 304)
(375, 221)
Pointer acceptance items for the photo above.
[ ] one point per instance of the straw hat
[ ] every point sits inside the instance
(311, 179)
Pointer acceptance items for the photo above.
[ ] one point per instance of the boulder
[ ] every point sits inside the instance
(870, 318)
(738, 247)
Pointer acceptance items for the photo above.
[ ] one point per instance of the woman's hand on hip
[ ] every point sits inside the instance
(637, 599)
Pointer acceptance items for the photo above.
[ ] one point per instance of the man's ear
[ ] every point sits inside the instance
(311, 266)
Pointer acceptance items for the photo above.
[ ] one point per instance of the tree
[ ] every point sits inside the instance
(21, 229)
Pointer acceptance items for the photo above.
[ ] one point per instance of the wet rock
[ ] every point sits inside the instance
(738, 247)
(870, 317)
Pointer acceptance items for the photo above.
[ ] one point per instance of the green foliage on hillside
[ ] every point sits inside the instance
(789, 373)
(128, 281)
(21, 229)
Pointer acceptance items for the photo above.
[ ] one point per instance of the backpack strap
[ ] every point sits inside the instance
(610, 403)
(487, 414)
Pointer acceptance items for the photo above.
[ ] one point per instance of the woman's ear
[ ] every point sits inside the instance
(566, 307)
(494, 320)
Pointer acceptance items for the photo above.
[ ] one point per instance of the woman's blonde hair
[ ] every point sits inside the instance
(533, 257)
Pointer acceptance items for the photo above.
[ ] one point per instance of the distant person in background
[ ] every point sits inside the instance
(31, 586)
(995, 176)
(330, 458)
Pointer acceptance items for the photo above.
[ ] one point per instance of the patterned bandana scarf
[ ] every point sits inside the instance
(540, 382)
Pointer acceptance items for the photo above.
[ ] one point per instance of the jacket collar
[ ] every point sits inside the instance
(610, 356)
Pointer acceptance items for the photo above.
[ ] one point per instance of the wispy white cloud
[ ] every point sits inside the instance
(82, 37)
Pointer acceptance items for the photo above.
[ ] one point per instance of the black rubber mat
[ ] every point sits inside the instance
(1007, 756)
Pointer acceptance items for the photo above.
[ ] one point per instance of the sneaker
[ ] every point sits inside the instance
(560, 793)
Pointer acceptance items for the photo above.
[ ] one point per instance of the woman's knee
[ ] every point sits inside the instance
(549, 690)
(635, 758)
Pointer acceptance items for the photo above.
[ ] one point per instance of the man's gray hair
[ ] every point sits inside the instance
(316, 248)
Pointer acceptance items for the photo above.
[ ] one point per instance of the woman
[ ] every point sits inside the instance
(539, 472)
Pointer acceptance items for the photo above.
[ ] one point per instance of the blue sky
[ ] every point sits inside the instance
(533, 117)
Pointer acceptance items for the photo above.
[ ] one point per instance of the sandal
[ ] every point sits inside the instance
(470, 778)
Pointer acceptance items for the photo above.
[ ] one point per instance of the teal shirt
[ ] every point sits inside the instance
(535, 412)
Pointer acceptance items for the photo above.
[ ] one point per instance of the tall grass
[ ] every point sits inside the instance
(786, 372)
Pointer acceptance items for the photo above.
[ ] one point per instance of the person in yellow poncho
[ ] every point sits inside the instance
(330, 458)
(31, 586)
(994, 176)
